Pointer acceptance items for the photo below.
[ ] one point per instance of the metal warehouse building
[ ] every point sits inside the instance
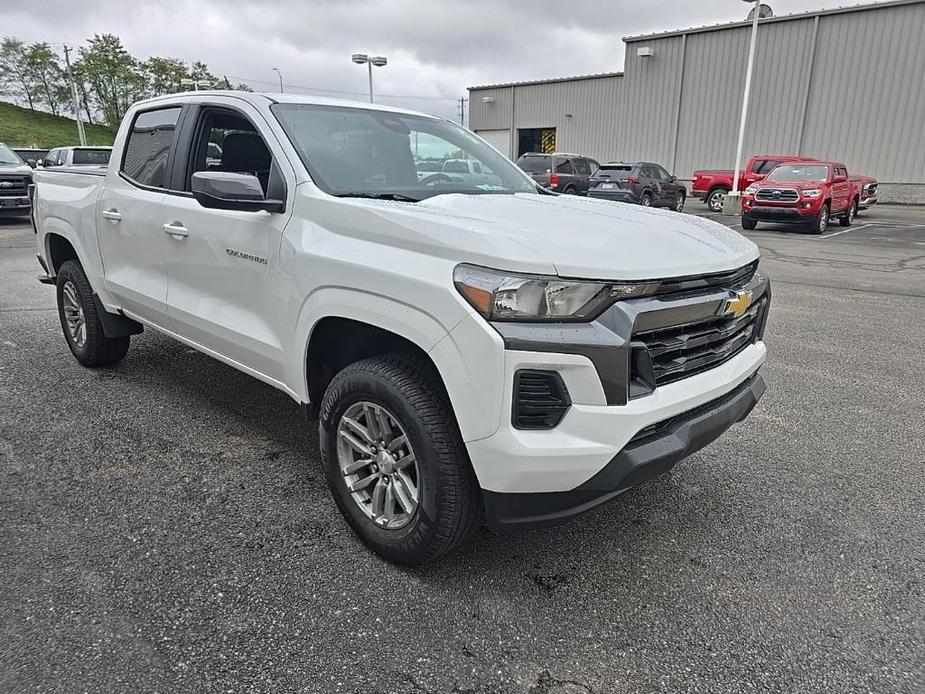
(845, 84)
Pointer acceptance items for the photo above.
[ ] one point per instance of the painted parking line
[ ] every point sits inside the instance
(844, 231)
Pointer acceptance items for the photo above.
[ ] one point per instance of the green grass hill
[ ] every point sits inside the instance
(20, 127)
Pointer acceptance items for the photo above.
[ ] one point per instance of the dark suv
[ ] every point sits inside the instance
(563, 173)
(641, 182)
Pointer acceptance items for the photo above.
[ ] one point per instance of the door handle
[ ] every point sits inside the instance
(112, 215)
(176, 229)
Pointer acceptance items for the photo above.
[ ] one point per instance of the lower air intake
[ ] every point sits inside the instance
(540, 399)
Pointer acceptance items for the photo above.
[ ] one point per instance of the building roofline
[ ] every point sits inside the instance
(576, 78)
(783, 18)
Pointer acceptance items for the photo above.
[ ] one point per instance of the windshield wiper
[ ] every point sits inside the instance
(398, 197)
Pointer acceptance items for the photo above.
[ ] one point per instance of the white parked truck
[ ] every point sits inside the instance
(474, 353)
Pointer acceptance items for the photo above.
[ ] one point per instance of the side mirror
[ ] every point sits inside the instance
(839, 179)
(224, 190)
(672, 179)
(31, 162)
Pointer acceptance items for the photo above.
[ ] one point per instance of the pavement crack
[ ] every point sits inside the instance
(547, 684)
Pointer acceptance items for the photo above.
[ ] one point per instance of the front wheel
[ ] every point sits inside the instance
(748, 224)
(821, 221)
(395, 461)
(679, 203)
(81, 322)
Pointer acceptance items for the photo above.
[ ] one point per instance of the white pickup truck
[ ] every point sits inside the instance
(474, 353)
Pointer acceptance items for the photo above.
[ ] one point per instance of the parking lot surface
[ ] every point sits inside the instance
(164, 524)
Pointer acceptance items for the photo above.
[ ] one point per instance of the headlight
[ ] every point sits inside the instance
(812, 193)
(751, 190)
(503, 296)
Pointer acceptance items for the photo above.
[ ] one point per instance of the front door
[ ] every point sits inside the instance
(225, 291)
(131, 241)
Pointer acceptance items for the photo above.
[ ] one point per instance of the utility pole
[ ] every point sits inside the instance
(462, 110)
(82, 136)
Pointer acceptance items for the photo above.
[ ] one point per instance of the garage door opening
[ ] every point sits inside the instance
(541, 140)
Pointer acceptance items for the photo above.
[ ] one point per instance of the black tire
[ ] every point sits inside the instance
(846, 219)
(748, 224)
(679, 203)
(449, 506)
(571, 190)
(645, 200)
(821, 221)
(96, 349)
(715, 197)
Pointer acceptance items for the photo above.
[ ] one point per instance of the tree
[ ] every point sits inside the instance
(15, 78)
(163, 75)
(115, 77)
(44, 69)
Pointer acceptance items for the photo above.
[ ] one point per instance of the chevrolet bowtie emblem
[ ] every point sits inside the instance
(737, 305)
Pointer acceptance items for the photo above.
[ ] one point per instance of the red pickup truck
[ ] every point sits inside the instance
(802, 192)
(712, 186)
(867, 195)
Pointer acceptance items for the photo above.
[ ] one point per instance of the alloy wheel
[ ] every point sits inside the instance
(378, 465)
(74, 314)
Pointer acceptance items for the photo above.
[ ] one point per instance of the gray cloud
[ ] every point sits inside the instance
(436, 48)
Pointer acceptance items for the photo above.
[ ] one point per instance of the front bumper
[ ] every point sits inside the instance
(652, 452)
(867, 201)
(15, 206)
(779, 214)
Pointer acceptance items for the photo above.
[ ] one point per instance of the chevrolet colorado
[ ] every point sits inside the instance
(473, 351)
(807, 193)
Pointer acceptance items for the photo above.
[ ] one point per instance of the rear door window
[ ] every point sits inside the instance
(582, 166)
(564, 166)
(148, 146)
(535, 164)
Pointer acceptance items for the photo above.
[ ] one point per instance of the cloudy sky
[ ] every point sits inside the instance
(436, 48)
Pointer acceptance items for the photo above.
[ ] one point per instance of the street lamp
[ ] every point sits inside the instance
(276, 69)
(378, 61)
(195, 84)
(732, 204)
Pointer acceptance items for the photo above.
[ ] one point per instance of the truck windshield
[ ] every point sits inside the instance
(367, 153)
(8, 157)
(818, 173)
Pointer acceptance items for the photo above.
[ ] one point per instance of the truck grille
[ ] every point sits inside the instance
(681, 351)
(777, 195)
(14, 185)
(870, 188)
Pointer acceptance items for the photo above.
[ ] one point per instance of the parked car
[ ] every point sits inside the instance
(468, 171)
(77, 156)
(806, 193)
(463, 355)
(31, 155)
(15, 179)
(711, 186)
(428, 167)
(641, 182)
(563, 173)
(867, 190)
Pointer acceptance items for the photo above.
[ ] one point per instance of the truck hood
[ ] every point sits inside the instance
(15, 169)
(566, 235)
(798, 185)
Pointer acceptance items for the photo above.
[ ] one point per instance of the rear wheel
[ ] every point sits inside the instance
(570, 191)
(645, 200)
(395, 461)
(821, 221)
(80, 320)
(715, 199)
(846, 219)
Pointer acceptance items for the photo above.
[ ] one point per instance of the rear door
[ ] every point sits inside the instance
(132, 243)
(566, 173)
(225, 289)
(583, 173)
(670, 186)
(651, 180)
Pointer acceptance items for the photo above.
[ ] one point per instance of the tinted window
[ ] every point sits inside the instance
(765, 167)
(97, 157)
(647, 171)
(148, 146)
(800, 172)
(51, 159)
(564, 166)
(662, 174)
(582, 166)
(535, 164)
(476, 167)
(615, 170)
(456, 167)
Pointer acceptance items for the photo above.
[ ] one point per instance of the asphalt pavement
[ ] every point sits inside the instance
(164, 524)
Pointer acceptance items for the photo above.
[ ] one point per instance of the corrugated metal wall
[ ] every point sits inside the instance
(848, 85)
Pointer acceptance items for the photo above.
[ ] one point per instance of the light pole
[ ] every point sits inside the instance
(378, 61)
(276, 69)
(732, 205)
